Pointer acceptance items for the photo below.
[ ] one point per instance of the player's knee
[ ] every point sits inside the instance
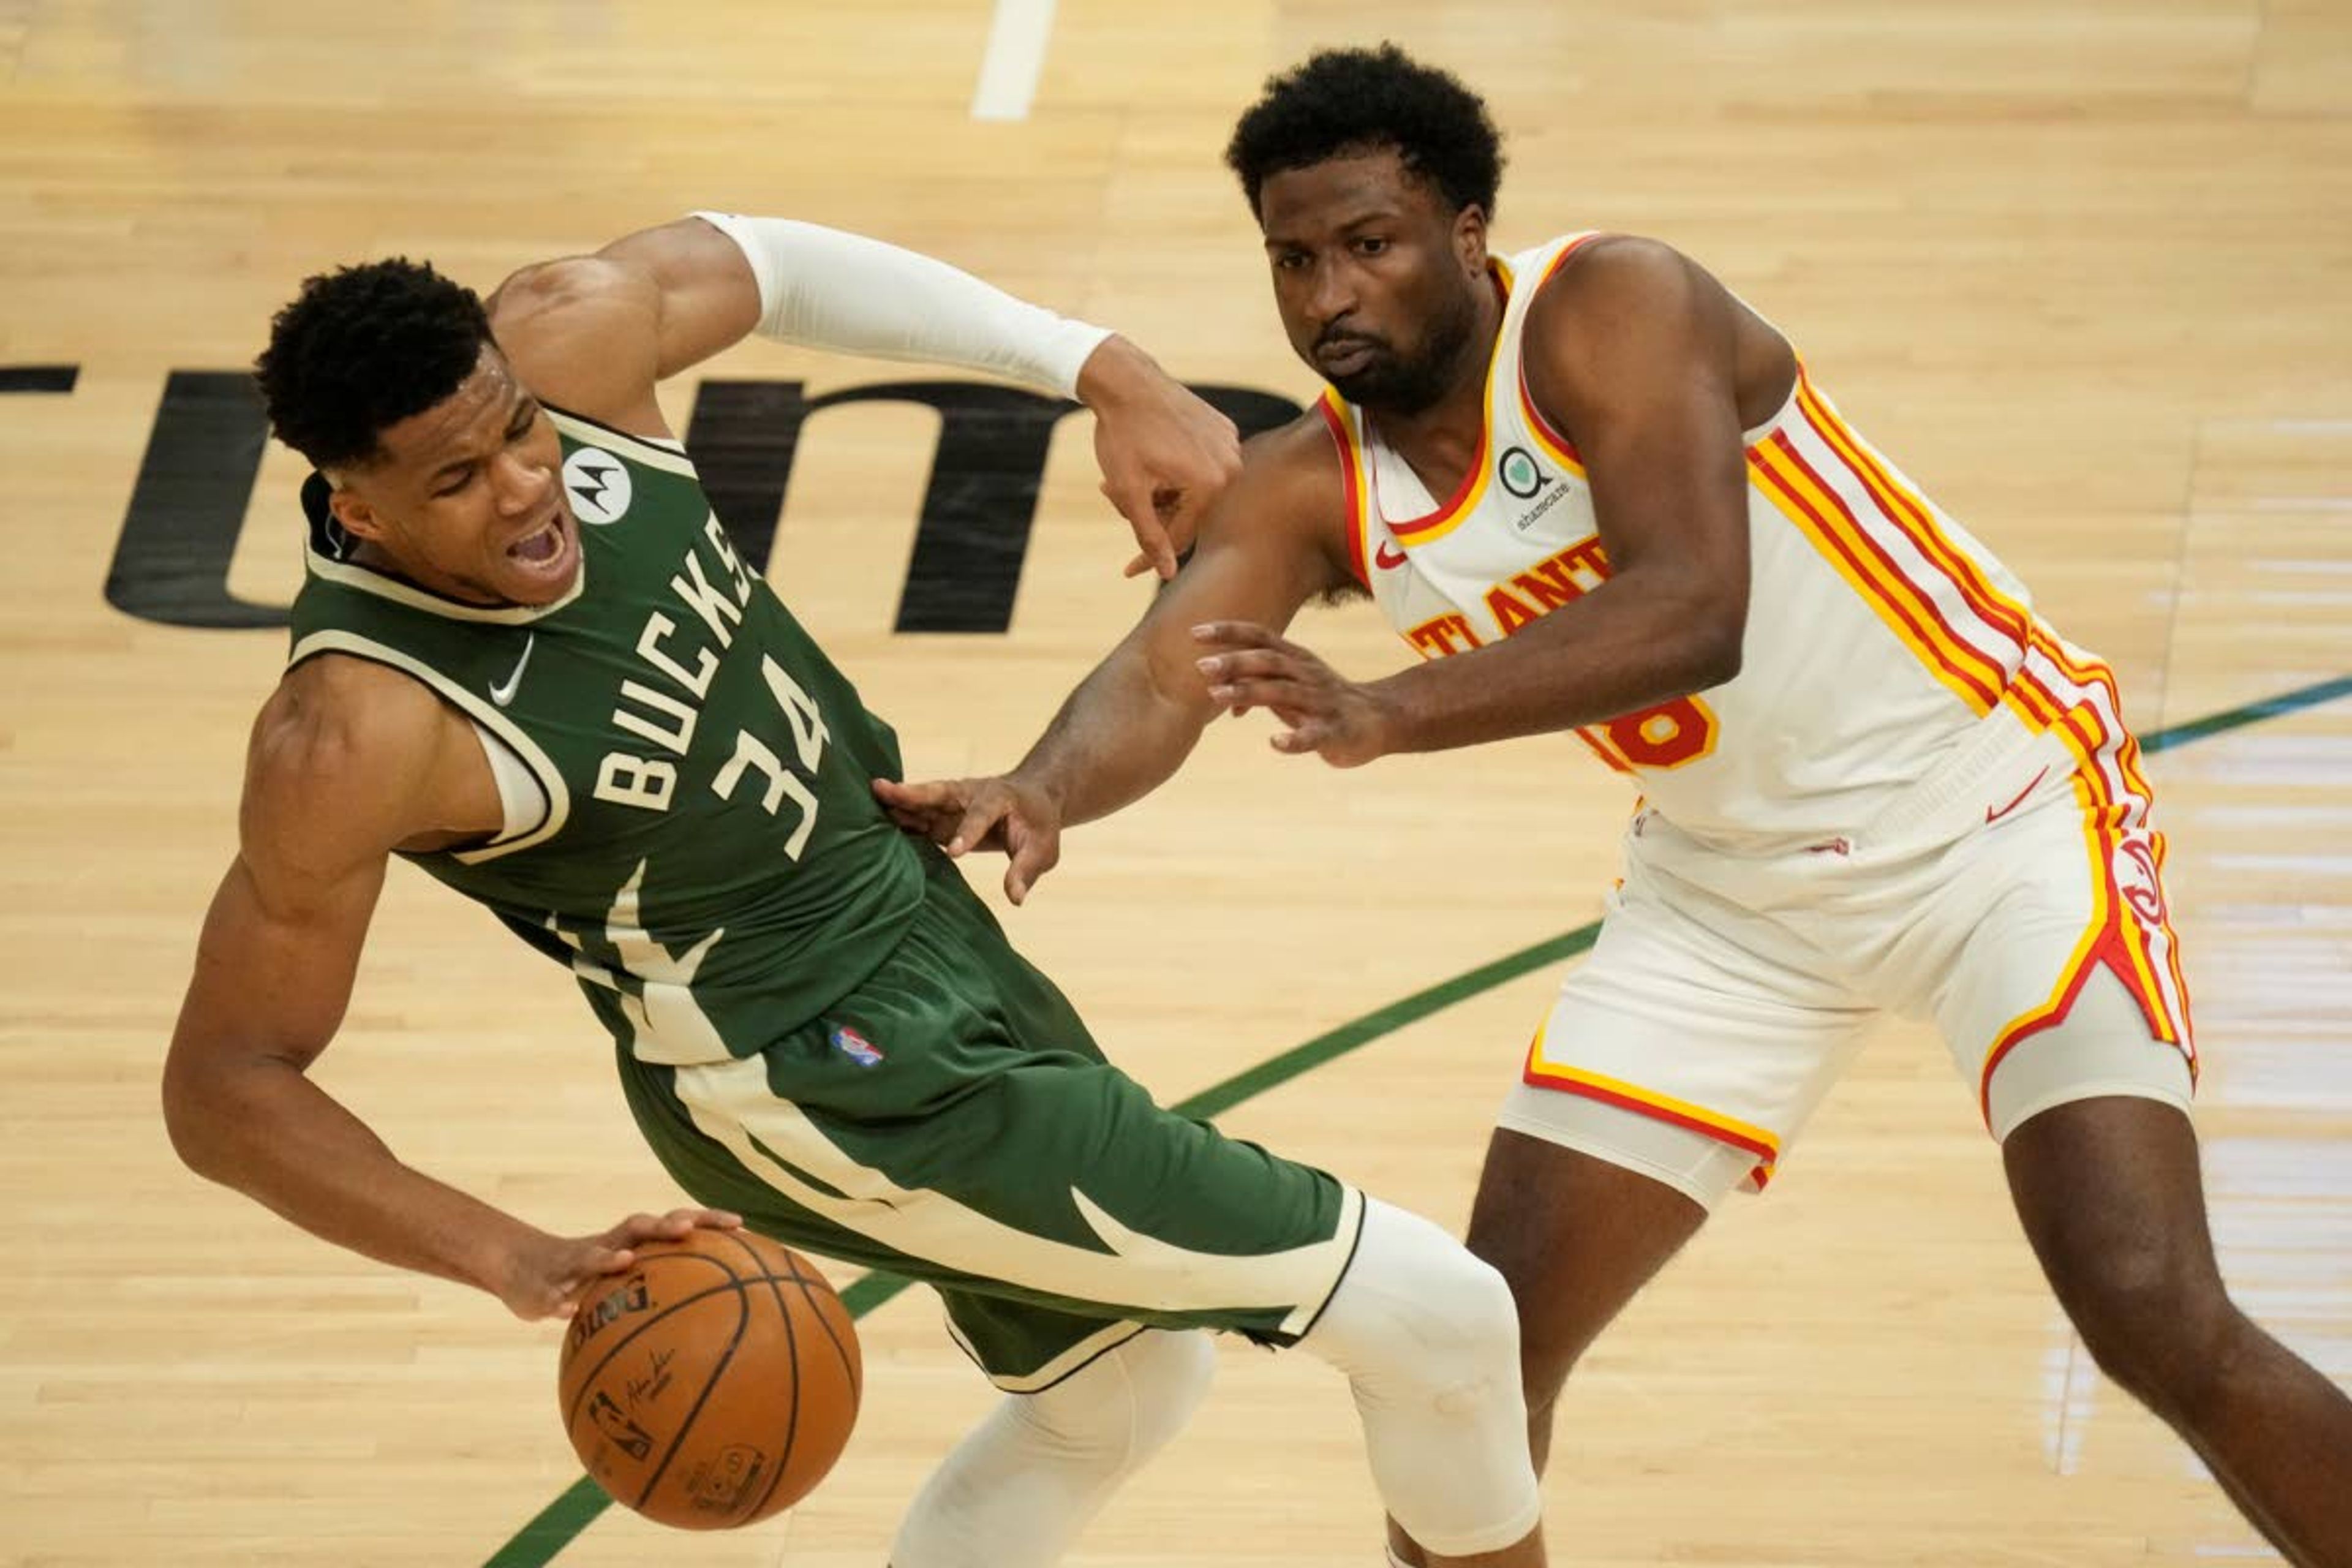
(2154, 1316)
(1428, 1339)
(1127, 1405)
(1418, 1316)
(1473, 1333)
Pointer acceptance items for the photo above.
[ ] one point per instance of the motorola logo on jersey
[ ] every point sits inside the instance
(597, 484)
(1521, 474)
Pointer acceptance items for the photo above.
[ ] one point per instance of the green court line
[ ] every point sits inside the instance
(2301, 697)
(558, 1524)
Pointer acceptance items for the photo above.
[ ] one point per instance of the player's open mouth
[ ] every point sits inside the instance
(541, 545)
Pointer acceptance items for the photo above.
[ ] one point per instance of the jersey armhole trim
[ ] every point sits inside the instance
(652, 451)
(1359, 520)
(1550, 435)
(542, 766)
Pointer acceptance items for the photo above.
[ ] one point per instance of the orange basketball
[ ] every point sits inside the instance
(712, 1384)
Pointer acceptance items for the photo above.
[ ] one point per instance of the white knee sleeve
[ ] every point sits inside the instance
(1015, 1492)
(1429, 1339)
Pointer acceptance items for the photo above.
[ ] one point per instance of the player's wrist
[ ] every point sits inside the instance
(1043, 792)
(1388, 720)
(507, 1257)
(1115, 374)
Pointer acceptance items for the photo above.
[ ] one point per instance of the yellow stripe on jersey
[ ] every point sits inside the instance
(1342, 426)
(1822, 517)
(1555, 446)
(2007, 620)
(1472, 488)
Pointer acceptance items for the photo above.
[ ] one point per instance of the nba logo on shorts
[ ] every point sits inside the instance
(855, 1047)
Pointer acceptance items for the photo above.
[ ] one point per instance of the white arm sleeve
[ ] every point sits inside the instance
(828, 290)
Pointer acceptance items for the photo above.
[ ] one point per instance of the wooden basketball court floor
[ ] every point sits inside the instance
(2083, 266)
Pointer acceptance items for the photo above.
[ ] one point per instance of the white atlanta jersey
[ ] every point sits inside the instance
(1880, 637)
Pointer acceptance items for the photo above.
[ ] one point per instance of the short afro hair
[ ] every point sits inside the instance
(362, 348)
(1343, 101)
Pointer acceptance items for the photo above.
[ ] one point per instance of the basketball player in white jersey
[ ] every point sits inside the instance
(1597, 493)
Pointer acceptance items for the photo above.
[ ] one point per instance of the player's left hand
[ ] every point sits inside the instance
(963, 815)
(1165, 455)
(1338, 719)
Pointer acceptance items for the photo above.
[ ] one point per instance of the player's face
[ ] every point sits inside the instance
(467, 497)
(1376, 276)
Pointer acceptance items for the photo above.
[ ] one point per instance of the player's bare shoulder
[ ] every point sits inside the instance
(1621, 297)
(1613, 280)
(350, 760)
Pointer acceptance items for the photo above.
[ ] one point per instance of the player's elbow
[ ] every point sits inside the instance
(1708, 637)
(191, 1120)
(550, 286)
(1697, 623)
(1713, 657)
(201, 1112)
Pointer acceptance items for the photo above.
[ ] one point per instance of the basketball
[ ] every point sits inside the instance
(712, 1384)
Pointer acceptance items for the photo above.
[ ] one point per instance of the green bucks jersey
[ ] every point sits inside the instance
(706, 856)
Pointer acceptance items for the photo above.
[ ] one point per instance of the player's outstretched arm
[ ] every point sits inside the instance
(347, 762)
(596, 333)
(1271, 542)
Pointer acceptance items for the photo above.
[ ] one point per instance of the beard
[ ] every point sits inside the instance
(1391, 383)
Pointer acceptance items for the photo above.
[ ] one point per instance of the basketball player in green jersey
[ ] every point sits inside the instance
(527, 659)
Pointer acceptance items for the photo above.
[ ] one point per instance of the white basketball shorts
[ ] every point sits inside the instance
(1730, 982)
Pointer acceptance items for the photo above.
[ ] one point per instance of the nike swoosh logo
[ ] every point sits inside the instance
(1991, 815)
(1388, 557)
(504, 692)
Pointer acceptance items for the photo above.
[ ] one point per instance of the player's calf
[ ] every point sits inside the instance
(2108, 1190)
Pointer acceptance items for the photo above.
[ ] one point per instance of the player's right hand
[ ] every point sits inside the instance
(548, 1276)
(1165, 454)
(963, 815)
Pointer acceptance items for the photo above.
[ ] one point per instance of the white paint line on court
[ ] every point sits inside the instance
(1016, 54)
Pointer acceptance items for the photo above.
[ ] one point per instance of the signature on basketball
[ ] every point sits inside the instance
(645, 1389)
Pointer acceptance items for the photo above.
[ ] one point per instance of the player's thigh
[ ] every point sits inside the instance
(952, 1120)
(1103, 1211)
(1690, 1047)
